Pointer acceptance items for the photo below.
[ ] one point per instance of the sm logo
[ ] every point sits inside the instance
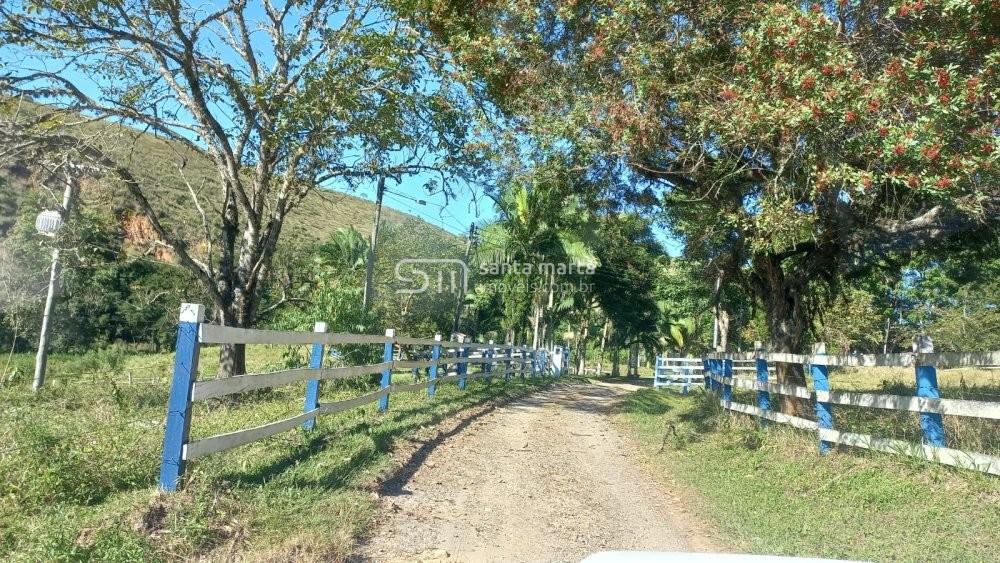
(451, 275)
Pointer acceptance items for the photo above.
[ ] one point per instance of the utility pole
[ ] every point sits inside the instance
(369, 293)
(69, 196)
(461, 287)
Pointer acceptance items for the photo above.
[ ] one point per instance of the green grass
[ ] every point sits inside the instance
(79, 464)
(769, 491)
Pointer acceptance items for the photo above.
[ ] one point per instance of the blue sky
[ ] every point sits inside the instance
(456, 214)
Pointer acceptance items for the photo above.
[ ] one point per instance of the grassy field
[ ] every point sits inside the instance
(769, 491)
(79, 464)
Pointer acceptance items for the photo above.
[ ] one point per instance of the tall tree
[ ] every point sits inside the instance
(539, 239)
(282, 96)
(793, 145)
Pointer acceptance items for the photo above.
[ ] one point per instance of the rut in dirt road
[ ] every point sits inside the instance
(544, 478)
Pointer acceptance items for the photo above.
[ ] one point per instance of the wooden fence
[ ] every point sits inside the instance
(722, 378)
(681, 372)
(494, 361)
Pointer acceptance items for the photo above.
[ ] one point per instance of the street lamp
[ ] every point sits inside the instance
(48, 222)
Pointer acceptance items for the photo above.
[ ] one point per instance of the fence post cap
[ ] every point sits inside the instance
(438, 337)
(923, 344)
(491, 342)
(192, 313)
(320, 326)
(819, 348)
(390, 333)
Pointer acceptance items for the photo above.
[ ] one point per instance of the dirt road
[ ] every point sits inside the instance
(544, 478)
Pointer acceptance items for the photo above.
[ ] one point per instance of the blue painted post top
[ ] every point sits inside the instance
(312, 388)
(186, 358)
(383, 403)
(433, 370)
(931, 423)
(821, 382)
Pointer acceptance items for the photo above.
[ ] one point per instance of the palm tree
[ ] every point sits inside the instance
(540, 224)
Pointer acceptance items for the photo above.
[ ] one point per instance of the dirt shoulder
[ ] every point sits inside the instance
(543, 478)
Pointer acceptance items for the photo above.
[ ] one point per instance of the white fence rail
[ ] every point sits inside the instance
(721, 379)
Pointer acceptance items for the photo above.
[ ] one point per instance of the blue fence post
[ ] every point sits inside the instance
(706, 371)
(436, 358)
(713, 370)
(821, 383)
(489, 366)
(312, 388)
(727, 387)
(462, 367)
(179, 407)
(383, 403)
(763, 397)
(931, 423)
(506, 366)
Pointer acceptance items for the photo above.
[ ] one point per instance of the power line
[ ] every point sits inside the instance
(439, 219)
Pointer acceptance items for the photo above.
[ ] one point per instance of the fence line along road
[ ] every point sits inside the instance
(494, 360)
(719, 368)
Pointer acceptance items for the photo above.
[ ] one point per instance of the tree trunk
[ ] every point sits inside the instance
(724, 330)
(633, 360)
(232, 357)
(535, 325)
(787, 320)
(604, 343)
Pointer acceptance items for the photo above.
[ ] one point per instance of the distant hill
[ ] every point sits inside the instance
(166, 169)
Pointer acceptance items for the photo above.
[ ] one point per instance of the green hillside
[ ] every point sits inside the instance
(167, 169)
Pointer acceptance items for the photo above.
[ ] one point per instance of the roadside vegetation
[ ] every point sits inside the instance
(769, 491)
(80, 462)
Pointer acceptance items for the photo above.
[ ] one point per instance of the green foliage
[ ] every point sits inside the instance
(953, 299)
(544, 220)
(107, 295)
(626, 280)
(853, 323)
(794, 146)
